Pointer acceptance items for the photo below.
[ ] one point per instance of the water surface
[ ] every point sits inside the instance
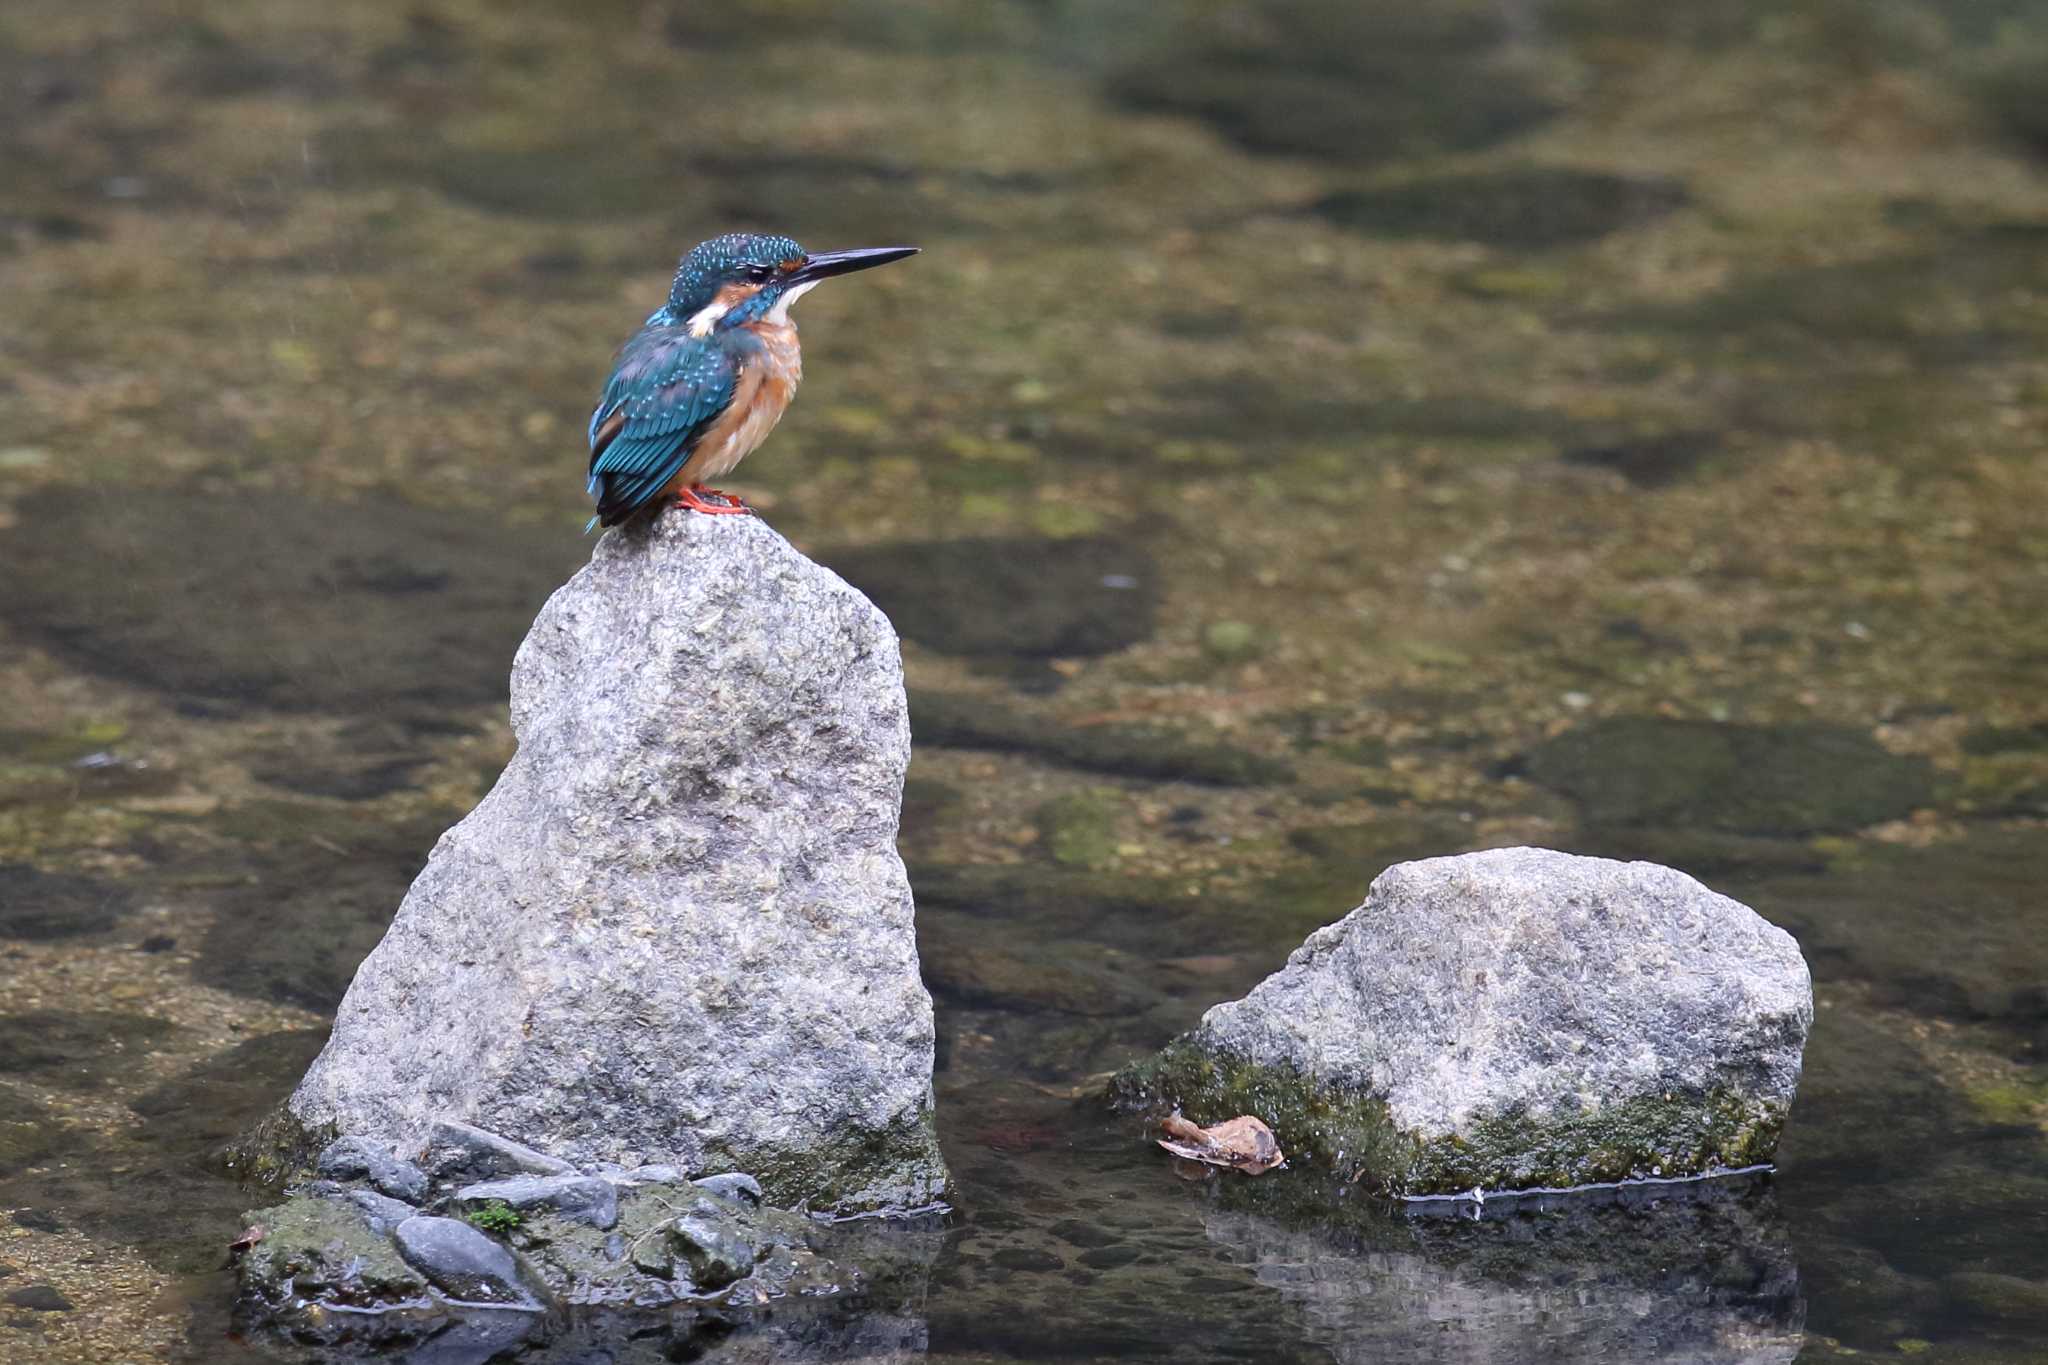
(1315, 435)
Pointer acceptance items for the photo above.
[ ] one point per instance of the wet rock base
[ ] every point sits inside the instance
(486, 1246)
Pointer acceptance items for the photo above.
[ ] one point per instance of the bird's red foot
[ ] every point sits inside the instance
(692, 498)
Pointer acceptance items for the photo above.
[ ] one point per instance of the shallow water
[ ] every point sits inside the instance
(1315, 435)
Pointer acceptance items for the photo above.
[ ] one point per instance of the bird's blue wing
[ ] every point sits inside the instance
(667, 387)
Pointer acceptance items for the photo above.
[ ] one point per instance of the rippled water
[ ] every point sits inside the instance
(1315, 435)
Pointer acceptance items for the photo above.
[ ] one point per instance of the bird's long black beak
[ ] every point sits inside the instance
(826, 264)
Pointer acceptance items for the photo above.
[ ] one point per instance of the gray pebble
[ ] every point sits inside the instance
(462, 1151)
(462, 1262)
(737, 1185)
(354, 1158)
(382, 1212)
(585, 1198)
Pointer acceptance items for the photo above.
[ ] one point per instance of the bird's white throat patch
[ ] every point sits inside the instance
(779, 314)
(704, 319)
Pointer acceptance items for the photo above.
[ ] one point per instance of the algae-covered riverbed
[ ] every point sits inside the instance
(1315, 435)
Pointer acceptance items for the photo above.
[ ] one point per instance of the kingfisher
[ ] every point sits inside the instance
(708, 375)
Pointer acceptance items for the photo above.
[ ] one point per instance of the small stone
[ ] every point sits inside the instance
(1074, 1232)
(655, 1256)
(354, 1158)
(462, 1151)
(1079, 829)
(656, 1175)
(383, 1212)
(582, 1198)
(40, 1298)
(1231, 642)
(717, 1248)
(463, 1262)
(1026, 1259)
(735, 1185)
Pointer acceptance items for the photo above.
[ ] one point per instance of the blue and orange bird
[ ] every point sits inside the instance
(708, 375)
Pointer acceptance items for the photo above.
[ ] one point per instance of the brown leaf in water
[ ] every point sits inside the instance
(1242, 1144)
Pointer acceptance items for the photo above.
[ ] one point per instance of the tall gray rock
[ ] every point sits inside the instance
(677, 929)
(1512, 1019)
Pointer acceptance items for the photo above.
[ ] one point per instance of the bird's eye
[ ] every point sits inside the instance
(758, 272)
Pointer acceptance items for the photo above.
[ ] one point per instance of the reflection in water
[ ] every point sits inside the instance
(1702, 1274)
(883, 1325)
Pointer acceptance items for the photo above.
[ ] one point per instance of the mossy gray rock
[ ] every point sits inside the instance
(677, 930)
(1511, 1019)
(325, 1251)
(348, 1269)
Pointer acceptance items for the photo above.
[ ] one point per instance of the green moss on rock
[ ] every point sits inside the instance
(1356, 1136)
(277, 1150)
(1079, 829)
(323, 1250)
(865, 1171)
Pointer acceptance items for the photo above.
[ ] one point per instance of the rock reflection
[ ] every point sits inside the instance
(882, 1323)
(1699, 1273)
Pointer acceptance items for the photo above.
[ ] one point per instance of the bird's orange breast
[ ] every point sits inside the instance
(766, 385)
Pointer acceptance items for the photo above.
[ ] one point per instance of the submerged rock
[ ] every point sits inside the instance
(956, 721)
(1739, 779)
(1031, 599)
(358, 606)
(677, 930)
(1512, 1019)
(1534, 207)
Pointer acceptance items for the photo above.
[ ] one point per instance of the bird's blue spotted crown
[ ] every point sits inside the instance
(726, 258)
